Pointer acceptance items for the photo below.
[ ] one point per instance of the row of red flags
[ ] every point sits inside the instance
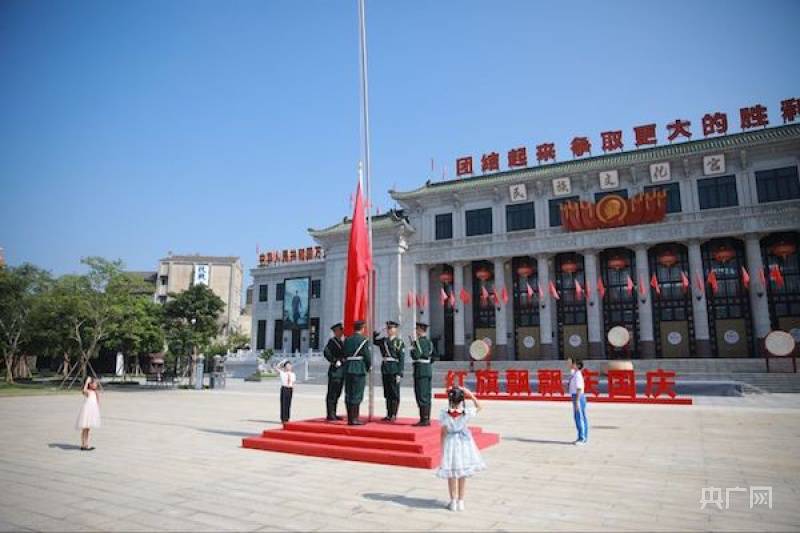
(449, 299)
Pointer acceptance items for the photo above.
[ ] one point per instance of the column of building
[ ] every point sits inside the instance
(699, 310)
(500, 350)
(594, 309)
(759, 305)
(546, 309)
(460, 352)
(647, 346)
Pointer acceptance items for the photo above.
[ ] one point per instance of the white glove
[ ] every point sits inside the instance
(398, 378)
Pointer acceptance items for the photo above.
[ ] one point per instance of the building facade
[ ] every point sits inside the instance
(497, 256)
(223, 275)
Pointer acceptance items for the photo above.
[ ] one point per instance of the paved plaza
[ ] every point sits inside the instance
(171, 460)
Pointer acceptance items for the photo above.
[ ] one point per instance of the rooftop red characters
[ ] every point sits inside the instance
(580, 146)
(678, 128)
(645, 135)
(490, 162)
(612, 140)
(464, 166)
(753, 117)
(518, 157)
(716, 123)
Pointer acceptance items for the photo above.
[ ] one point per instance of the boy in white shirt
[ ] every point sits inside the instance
(287, 386)
(576, 392)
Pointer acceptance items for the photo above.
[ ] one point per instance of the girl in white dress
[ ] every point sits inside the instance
(460, 456)
(89, 417)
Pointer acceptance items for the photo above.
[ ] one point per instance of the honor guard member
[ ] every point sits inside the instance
(393, 350)
(334, 353)
(357, 351)
(422, 356)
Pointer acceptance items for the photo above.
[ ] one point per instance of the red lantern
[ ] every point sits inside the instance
(723, 253)
(783, 249)
(569, 266)
(668, 258)
(446, 277)
(617, 262)
(525, 270)
(483, 274)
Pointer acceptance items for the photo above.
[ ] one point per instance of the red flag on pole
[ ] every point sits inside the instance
(776, 275)
(698, 283)
(654, 284)
(745, 278)
(554, 291)
(504, 296)
(629, 285)
(601, 288)
(762, 278)
(464, 295)
(578, 290)
(495, 299)
(530, 290)
(541, 292)
(642, 287)
(452, 299)
(359, 266)
(442, 296)
(484, 294)
(712, 281)
(684, 281)
(409, 300)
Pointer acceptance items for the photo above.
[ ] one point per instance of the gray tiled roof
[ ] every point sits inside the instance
(605, 161)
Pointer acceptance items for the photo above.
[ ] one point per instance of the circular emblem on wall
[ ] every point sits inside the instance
(575, 340)
(612, 209)
(529, 342)
(795, 332)
(779, 343)
(674, 338)
(731, 336)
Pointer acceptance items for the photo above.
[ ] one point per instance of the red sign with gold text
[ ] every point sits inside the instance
(613, 211)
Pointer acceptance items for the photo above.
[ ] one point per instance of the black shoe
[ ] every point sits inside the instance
(331, 418)
(425, 416)
(337, 417)
(356, 421)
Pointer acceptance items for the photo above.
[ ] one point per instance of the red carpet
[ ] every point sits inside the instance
(399, 444)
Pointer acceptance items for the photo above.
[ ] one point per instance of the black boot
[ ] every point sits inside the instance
(395, 407)
(388, 416)
(356, 421)
(425, 415)
(421, 416)
(349, 414)
(331, 408)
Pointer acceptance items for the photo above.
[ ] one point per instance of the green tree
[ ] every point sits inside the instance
(191, 320)
(19, 288)
(137, 330)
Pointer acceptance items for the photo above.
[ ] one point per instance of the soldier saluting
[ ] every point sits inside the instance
(393, 350)
(357, 351)
(422, 356)
(334, 353)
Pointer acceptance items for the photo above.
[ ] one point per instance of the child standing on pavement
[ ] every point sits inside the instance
(576, 392)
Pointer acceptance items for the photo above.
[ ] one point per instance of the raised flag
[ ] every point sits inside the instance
(359, 266)
(601, 288)
(578, 290)
(712, 281)
(745, 278)
(654, 284)
(554, 291)
(684, 281)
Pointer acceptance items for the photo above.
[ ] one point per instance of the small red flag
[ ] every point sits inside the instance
(642, 287)
(776, 275)
(484, 294)
(442, 296)
(495, 299)
(629, 285)
(684, 281)
(419, 300)
(578, 290)
(762, 278)
(654, 284)
(712, 281)
(452, 299)
(745, 278)
(698, 283)
(541, 292)
(504, 296)
(601, 288)
(530, 290)
(464, 295)
(554, 291)
(409, 299)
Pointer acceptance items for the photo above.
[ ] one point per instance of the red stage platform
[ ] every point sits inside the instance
(564, 398)
(398, 443)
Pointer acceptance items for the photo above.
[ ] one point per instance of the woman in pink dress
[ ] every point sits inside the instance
(89, 417)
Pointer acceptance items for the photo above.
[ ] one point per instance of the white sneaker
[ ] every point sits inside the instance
(460, 505)
(580, 442)
(453, 505)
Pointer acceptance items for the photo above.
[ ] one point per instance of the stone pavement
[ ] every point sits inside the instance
(171, 460)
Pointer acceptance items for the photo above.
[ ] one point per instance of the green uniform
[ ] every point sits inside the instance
(423, 356)
(394, 358)
(334, 353)
(357, 350)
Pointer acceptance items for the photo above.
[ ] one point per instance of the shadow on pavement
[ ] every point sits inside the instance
(229, 433)
(62, 446)
(276, 422)
(539, 441)
(419, 503)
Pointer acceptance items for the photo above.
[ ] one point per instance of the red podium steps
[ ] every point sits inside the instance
(399, 444)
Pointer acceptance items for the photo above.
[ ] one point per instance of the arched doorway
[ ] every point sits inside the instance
(673, 320)
(526, 308)
(727, 300)
(573, 335)
(782, 275)
(618, 269)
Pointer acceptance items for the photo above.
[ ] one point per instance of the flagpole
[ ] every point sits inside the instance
(362, 32)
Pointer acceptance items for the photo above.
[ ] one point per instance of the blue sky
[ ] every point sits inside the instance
(128, 129)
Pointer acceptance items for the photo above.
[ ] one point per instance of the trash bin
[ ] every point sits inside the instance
(218, 373)
(198, 372)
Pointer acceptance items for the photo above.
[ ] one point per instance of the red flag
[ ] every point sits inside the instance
(698, 283)
(419, 300)
(629, 285)
(541, 292)
(504, 296)
(452, 299)
(495, 299)
(762, 278)
(530, 290)
(654, 284)
(578, 290)
(554, 291)
(684, 281)
(409, 299)
(359, 266)
(776, 275)
(642, 287)
(601, 288)
(712, 281)
(745, 278)
(442, 296)
(464, 295)
(484, 294)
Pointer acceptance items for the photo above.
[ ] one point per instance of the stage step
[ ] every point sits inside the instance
(398, 443)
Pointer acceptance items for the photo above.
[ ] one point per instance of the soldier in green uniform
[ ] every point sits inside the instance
(334, 353)
(393, 350)
(422, 355)
(358, 353)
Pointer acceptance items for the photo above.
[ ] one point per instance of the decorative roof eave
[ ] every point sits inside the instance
(391, 219)
(602, 162)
